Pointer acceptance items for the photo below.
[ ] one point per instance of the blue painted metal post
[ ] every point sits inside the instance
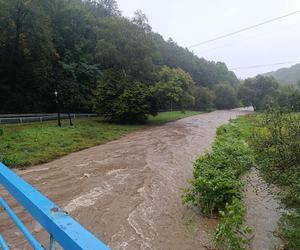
(64, 229)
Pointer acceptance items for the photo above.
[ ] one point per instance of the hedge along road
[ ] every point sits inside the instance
(128, 192)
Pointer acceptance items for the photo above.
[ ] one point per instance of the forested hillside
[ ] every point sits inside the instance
(97, 60)
(287, 76)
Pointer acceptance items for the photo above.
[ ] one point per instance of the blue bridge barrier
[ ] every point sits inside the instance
(62, 228)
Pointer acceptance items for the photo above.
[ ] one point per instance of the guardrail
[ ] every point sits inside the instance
(62, 228)
(25, 118)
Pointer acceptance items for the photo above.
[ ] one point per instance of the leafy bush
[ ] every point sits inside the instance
(231, 232)
(216, 174)
(1, 132)
(289, 228)
(212, 189)
(277, 143)
(234, 154)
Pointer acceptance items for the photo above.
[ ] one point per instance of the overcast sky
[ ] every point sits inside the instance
(192, 21)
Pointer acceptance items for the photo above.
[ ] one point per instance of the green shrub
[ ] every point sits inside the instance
(289, 229)
(234, 154)
(216, 179)
(211, 190)
(276, 140)
(217, 187)
(216, 176)
(277, 143)
(231, 233)
(1, 132)
(290, 196)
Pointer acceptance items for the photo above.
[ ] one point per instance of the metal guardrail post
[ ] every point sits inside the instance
(63, 228)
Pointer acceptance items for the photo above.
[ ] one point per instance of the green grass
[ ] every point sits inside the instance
(29, 144)
(165, 117)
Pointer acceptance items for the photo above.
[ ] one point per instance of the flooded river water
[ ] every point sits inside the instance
(128, 192)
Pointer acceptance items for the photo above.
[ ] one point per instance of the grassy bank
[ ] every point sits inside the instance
(216, 189)
(28, 144)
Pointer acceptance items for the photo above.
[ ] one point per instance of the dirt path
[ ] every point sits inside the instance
(128, 192)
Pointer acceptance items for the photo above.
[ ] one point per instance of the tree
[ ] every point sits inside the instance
(256, 91)
(225, 96)
(125, 48)
(295, 100)
(26, 51)
(125, 101)
(122, 101)
(141, 20)
(288, 97)
(74, 45)
(75, 40)
(75, 82)
(204, 73)
(174, 89)
(204, 98)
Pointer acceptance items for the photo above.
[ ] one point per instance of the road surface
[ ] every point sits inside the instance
(128, 192)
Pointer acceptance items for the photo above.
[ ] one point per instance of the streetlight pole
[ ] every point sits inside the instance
(58, 108)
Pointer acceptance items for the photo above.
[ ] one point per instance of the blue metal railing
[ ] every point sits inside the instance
(3, 244)
(32, 241)
(61, 227)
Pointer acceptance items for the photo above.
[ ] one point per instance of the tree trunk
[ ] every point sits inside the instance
(70, 119)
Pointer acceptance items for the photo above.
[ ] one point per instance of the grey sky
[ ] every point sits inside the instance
(191, 21)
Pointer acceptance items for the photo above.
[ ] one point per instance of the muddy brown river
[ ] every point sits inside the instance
(128, 192)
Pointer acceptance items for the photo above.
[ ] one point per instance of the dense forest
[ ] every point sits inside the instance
(287, 76)
(261, 92)
(99, 61)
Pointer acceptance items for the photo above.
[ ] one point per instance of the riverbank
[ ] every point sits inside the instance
(23, 145)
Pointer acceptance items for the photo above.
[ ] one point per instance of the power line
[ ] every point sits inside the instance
(244, 29)
(264, 65)
(251, 36)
